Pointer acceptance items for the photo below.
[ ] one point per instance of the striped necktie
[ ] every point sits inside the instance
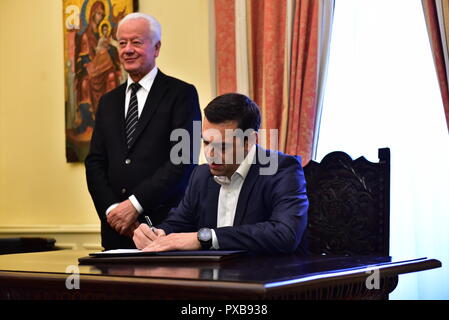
(133, 115)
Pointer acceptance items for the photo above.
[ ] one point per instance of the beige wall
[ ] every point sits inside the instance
(39, 191)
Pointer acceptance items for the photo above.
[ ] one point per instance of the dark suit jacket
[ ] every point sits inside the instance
(114, 173)
(271, 213)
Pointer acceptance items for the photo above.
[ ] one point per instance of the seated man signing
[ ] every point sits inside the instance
(245, 198)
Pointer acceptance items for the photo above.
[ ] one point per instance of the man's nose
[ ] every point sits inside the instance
(128, 48)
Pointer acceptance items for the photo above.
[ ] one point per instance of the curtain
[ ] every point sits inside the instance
(436, 13)
(311, 40)
(276, 52)
(382, 92)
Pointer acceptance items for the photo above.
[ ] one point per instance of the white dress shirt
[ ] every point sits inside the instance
(146, 83)
(229, 194)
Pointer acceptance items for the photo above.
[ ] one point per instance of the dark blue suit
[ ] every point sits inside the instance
(271, 213)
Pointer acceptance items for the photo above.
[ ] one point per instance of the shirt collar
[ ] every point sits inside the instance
(146, 82)
(242, 170)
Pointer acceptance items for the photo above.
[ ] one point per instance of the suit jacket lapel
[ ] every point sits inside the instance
(245, 193)
(248, 185)
(157, 91)
(211, 203)
(120, 115)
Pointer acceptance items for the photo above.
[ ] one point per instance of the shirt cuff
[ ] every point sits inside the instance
(111, 207)
(135, 203)
(215, 244)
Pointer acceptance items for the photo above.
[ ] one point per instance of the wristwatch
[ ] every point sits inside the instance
(205, 238)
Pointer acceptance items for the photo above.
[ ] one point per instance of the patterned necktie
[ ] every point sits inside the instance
(133, 115)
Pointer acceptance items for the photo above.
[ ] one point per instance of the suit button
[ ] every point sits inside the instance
(123, 190)
(127, 161)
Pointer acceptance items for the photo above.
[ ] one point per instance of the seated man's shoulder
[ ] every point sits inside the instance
(278, 167)
(284, 160)
(290, 160)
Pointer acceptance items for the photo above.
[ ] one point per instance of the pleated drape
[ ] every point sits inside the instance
(436, 13)
(275, 51)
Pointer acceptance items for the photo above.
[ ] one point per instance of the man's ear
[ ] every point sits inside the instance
(158, 48)
(251, 140)
(256, 137)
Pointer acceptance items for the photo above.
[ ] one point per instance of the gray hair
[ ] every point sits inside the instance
(153, 24)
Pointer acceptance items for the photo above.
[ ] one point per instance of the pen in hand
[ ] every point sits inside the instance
(150, 224)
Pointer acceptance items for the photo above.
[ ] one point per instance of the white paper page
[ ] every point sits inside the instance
(119, 251)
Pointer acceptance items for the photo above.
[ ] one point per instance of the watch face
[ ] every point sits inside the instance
(204, 234)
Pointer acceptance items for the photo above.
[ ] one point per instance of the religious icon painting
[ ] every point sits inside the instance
(91, 65)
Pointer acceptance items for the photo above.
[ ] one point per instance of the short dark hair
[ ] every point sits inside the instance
(234, 107)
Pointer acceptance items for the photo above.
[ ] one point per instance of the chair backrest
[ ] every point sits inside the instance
(349, 210)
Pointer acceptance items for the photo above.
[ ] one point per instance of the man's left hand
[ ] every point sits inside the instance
(175, 241)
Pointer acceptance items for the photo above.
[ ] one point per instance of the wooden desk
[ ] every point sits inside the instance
(43, 275)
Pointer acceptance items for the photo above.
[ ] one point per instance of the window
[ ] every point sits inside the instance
(382, 91)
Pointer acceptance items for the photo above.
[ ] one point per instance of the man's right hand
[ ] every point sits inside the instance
(123, 217)
(144, 235)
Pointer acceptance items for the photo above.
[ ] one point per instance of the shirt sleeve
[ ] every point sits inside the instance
(135, 203)
(215, 244)
(110, 208)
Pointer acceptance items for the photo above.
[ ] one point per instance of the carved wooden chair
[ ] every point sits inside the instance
(349, 210)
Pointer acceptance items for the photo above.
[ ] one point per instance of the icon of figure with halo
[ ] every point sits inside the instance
(97, 68)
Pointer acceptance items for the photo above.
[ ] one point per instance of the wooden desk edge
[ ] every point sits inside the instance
(91, 281)
(101, 285)
(385, 270)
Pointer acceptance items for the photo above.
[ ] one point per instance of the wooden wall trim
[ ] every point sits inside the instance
(85, 236)
(32, 229)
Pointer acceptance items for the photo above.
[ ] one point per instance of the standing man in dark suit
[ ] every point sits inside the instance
(257, 204)
(129, 171)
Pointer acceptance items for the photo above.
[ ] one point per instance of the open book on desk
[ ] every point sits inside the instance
(136, 255)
